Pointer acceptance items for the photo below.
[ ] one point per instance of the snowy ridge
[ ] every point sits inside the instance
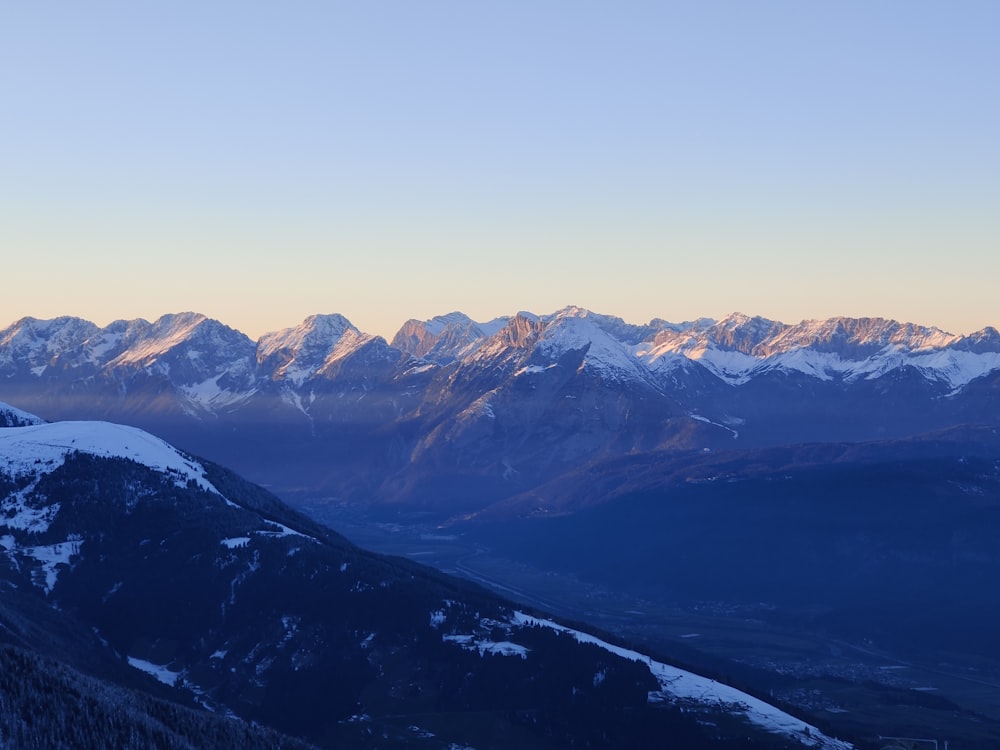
(679, 685)
(436, 325)
(30, 452)
(25, 450)
(954, 367)
(738, 349)
(351, 341)
(159, 338)
(957, 367)
(13, 417)
(731, 366)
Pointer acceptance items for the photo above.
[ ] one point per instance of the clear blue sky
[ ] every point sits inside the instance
(259, 162)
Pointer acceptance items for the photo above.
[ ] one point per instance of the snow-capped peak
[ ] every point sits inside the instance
(203, 339)
(152, 340)
(436, 325)
(296, 353)
(600, 336)
(35, 343)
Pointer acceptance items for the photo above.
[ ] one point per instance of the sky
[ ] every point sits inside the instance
(262, 162)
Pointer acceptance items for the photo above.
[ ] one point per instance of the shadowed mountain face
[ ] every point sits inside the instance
(456, 415)
(149, 578)
(827, 527)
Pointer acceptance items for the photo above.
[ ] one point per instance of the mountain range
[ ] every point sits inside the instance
(837, 478)
(454, 414)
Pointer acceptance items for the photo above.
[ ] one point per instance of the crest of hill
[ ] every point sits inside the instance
(23, 449)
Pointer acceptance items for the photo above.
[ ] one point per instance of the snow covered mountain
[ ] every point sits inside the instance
(191, 578)
(296, 354)
(455, 409)
(193, 349)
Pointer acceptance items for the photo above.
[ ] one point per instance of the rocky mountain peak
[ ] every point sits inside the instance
(444, 338)
(297, 352)
(854, 338)
(33, 343)
(742, 333)
(521, 331)
(982, 342)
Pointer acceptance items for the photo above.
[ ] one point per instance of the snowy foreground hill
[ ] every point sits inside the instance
(454, 414)
(191, 586)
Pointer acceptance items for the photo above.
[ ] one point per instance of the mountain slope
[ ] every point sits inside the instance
(240, 605)
(45, 703)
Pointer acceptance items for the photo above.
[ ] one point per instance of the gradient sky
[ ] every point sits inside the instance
(260, 162)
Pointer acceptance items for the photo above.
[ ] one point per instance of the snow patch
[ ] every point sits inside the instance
(484, 646)
(16, 513)
(275, 531)
(714, 424)
(51, 556)
(533, 369)
(421, 368)
(210, 395)
(161, 673)
(279, 530)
